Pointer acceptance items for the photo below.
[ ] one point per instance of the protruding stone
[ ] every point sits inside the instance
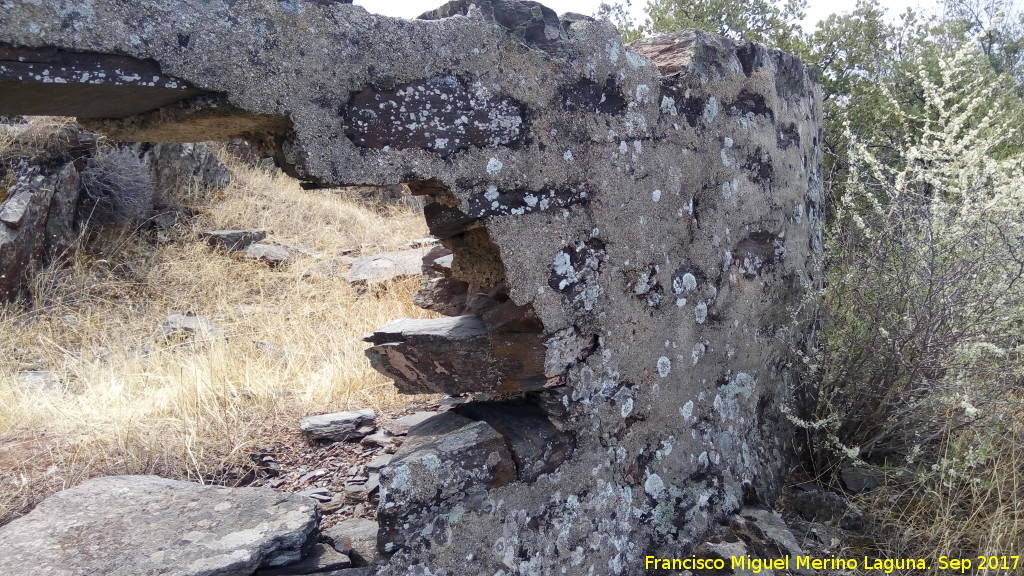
(456, 356)
(445, 459)
(401, 426)
(537, 446)
(340, 426)
(858, 479)
(132, 525)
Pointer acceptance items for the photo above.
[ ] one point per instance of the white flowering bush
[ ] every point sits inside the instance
(924, 304)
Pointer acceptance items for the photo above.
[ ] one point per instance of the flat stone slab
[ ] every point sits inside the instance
(387, 266)
(340, 426)
(457, 356)
(234, 240)
(143, 525)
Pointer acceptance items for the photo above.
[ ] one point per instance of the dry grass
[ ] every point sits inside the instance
(966, 507)
(122, 399)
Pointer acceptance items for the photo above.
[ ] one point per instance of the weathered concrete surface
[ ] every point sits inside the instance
(671, 217)
(133, 525)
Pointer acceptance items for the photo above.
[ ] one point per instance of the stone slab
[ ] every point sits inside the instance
(141, 525)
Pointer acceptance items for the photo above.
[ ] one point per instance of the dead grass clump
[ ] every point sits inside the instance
(118, 397)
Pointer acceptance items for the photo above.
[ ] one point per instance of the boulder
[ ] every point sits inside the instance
(861, 478)
(536, 445)
(132, 525)
(340, 426)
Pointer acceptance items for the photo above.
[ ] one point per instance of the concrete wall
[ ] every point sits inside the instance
(657, 209)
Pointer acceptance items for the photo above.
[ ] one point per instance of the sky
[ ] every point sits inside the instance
(816, 9)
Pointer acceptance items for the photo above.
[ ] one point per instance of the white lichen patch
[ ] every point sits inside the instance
(494, 166)
(700, 312)
(687, 411)
(627, 407)
(664, 366)
(654, 486)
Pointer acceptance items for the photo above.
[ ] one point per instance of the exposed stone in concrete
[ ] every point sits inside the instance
(443, 461)
(537, 446)
(131, 525)
(340, 426)
(234, 239)
(659, 216)
(457, 355)
(138, 85)
(387, 266)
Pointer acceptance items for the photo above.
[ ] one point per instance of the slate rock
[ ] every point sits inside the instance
(234, 240)
(320, 559)
(23, 216)
(340, 426)
(442, 462)
(189, 325)
(859, 479)
(402, 425)
(386, 266)
(356, 537)
(134, 525)
(537, 446)
(272, 255)
(456, 356)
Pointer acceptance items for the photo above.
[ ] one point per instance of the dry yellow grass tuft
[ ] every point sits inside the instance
(110, 395)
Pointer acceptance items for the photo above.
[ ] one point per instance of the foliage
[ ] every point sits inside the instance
(925, 301)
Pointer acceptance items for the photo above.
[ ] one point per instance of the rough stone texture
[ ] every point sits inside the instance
(537, 446)
(458, 355)
(37, 223)
(386, 266)
(667, 218)
(322, 558)
(267, 253)
(356, 537)
(234, 239)
(447, 460)
(178, 168)
(340, 426)
(133, 525)
(862, 478)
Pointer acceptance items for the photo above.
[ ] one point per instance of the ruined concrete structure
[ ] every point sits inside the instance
(632, 230)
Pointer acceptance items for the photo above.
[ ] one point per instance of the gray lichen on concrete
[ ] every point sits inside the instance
(660, 202)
